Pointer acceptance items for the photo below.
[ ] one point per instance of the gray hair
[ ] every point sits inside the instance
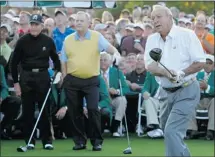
(106, 55)
(160, 7)
(86, 15)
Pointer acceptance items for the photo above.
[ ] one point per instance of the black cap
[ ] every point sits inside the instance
(36, 18)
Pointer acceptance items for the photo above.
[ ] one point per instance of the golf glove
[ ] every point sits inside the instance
(57, 78)
(179, 76)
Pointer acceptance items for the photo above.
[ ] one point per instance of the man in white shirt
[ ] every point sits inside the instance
(183, 54)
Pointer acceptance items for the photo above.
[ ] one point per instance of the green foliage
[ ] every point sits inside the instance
(189, 7)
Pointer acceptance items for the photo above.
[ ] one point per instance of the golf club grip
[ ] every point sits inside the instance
(167, 69)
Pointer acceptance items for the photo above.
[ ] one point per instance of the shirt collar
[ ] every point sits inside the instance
(86, 36)
(106, 72)
(172, 32)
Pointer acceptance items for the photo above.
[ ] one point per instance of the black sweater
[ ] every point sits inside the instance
(33, 53)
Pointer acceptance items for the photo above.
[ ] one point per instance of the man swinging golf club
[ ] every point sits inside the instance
(32, 52)
(183, 55)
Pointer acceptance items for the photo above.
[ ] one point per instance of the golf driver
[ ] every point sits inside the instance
(127, 150)
(156, 55)
(25, 148)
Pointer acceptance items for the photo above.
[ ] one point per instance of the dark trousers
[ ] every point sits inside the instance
(10, 107)
(34, 87)
(76, 89)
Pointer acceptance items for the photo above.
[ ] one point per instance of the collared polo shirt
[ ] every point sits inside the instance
(181, 49)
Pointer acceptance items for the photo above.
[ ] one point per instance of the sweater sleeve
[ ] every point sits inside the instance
(16, 59)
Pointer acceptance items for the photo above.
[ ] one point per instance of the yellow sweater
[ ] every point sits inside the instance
(83, 56)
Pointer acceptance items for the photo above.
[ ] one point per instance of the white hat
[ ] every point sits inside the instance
(211, 57)
(9, 16)
(209, 26)
(100, 26)
(139, 25)
(7, 27)
(16, 19)
(188, 21)
(130, 27)
(184, 20)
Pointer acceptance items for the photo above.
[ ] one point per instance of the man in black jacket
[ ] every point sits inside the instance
(32, 52)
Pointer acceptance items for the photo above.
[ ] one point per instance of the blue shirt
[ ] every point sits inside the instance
(59, 37)
(102, 44)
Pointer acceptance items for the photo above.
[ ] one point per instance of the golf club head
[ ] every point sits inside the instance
(156, 54)
(127, 151)
(21, 149)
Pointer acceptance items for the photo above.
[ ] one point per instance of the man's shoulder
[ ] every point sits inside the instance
(70, 36)
(128, 38)
(184, 31)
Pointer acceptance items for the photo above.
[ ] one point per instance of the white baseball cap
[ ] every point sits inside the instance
(211, 57)
(139, 25)
(100, 26)
(9, 16)
(7, 27)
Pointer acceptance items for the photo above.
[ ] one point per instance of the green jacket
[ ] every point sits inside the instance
(114, 74)
(4, 88)
(104, 99)
(150, 85)
(200, 76)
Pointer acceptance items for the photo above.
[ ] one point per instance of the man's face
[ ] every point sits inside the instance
(138, 32)
(71, 22)
(148, 31)
(146, 12)
(109, 37)
(49, 24)
(209, 66)
(181, 24)
(200, 21)
(189, 25)
(131, 59)
(60, 19)
(161, 21)
(81, 22)
(24, 19)
(125, 15)
(4, 33)
(35, 29)
(104, 62)
(140, 62)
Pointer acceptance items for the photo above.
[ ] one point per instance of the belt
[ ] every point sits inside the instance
(35, 70)
(174, 89)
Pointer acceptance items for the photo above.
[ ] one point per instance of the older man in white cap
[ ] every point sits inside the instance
(136, 43)
(183, 55)
(206, 81)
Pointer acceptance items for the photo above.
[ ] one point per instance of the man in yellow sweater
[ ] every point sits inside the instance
(80, 59)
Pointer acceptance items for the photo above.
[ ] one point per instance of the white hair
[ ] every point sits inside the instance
(86, 15)
(106, 55)
(160, 7)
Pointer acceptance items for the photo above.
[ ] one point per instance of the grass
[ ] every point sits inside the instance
(111, 147)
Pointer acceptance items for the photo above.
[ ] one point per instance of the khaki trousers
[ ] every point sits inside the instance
(119, 105)
(208, 104)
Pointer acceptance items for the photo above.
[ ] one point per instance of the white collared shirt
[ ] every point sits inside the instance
(106, 74)
(181, 48)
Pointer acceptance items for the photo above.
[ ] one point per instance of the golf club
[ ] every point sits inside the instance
(156, 55)
(127, 150)
(25, 148)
